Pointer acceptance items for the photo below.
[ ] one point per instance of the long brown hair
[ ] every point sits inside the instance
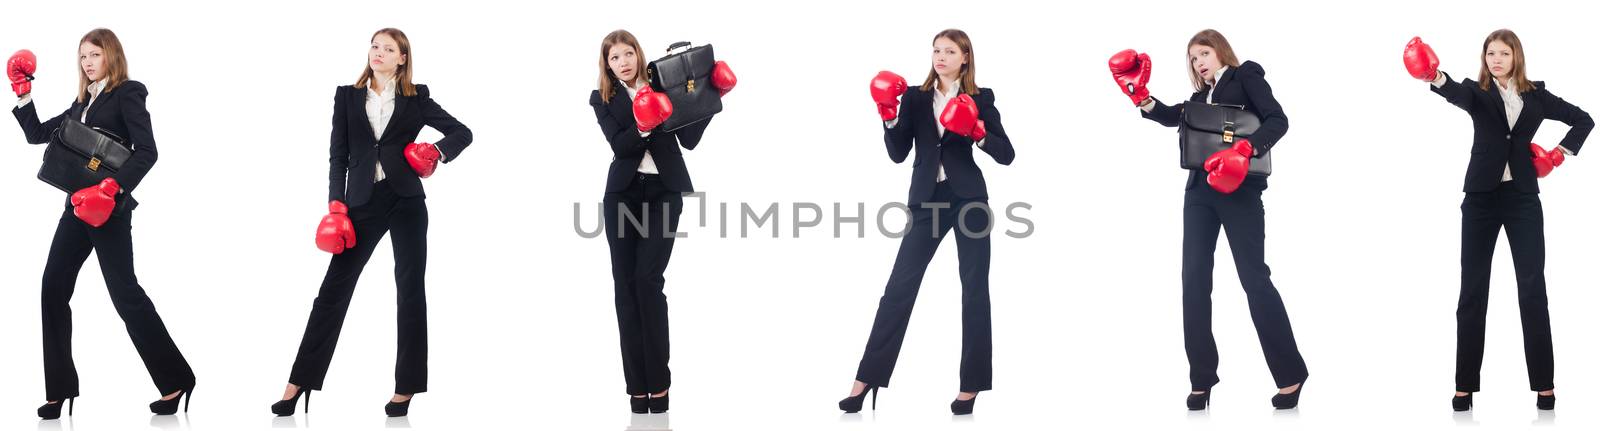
(402, 74)
(607, 88)
(1519, 66)
(116, 62)
(969, 71)
(1211, 39)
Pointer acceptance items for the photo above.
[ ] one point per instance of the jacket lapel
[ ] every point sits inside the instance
(1499, 103)
(357, 101)
(1222, 82)
(400, 104)
(1532, 114)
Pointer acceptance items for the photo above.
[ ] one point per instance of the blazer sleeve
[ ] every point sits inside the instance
(131, 97)
(622, 135)
(1456, 93)
(689, 136)
(898, 138)
(338, 149)
(1164, 114)
(1559, 110)
(456, 135)
(34, 131)
(1274, 123)
(995, 142)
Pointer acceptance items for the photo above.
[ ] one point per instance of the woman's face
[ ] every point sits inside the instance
(1498, 58)
(622, 60)
(384, 56)
(92, 60)
(1204, 61)
(947, 58)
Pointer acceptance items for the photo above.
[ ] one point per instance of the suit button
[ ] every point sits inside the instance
(1508, 136)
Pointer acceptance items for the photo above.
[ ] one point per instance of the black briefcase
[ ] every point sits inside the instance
(80, 156)
(685, 77)
(1207, 129)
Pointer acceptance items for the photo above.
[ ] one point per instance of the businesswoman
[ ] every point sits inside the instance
(98, 219)
(1223, 196)
(944, 121)
(375, 173)
(644, 196)
(1502, 189)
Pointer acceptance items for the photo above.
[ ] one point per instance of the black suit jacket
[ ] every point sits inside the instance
(119, 110)
(917, 129)
(1494, 143)
(1246, 86)
(627, 147)
(354, 151)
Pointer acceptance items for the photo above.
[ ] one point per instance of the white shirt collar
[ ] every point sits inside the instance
(96, 87)
(955, 88)
(1507, 92)
(388, 88)
(1217, 76)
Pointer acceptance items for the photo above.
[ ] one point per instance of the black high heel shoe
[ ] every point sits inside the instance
(1199, 401)
(53, 410)
(963, 407)
(1461, 403)
(640, 405)
(167, 407)
(286, 407)
(1546, 402)
(852, 404)
(1289, 400)
(658, 404)
(394, 409)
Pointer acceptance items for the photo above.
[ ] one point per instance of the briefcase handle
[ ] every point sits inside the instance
(674, 46)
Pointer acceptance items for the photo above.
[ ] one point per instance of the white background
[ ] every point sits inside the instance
(1363, 218)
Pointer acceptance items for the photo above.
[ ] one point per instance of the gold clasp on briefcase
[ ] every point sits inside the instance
(691, 86)
(1227, 133)
(94, 164)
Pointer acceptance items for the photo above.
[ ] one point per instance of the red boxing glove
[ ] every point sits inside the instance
(722, 77)
(423, 157)
(650, 108)
(93, 204)
(886, 90)
(20, 70)
(961, 116)
(1420, 60)
(1131, 70)
(1227, 168)
(1546, 161)
(336, 233)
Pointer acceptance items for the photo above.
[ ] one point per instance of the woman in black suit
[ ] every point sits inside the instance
(1502, 189)
(376, 168)
(98, 219)
(644, 196)
(1224, 196)
(945, 119)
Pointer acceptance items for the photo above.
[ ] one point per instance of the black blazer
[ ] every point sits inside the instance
(1246, 86)
(354, 151)
(627, 147)
(918, 129)
(1494, 143)
(119, 110)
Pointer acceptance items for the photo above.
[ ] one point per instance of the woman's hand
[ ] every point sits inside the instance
(1421, 61)
(1131, 70)
(20, 70)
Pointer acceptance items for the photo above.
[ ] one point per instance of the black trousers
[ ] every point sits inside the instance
(639, 225)
(1205, 211)
(916, 250)
(1482, 214)
(407, 219)
(113, 245)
